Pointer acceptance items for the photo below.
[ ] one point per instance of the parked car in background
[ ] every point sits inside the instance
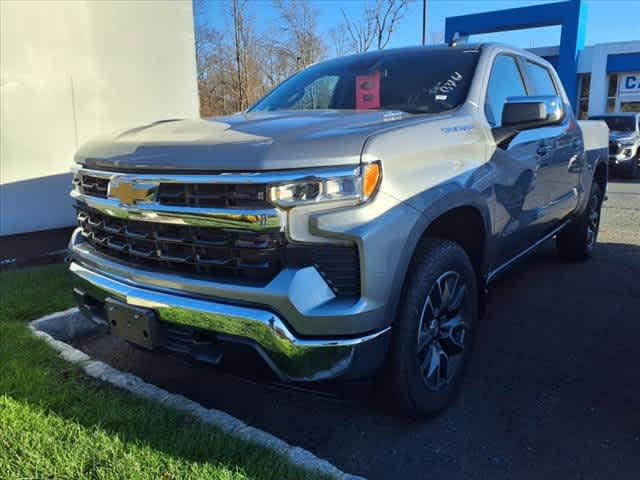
(348, 223)
(624, 142)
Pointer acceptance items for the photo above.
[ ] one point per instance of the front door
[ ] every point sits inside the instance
(521, 198)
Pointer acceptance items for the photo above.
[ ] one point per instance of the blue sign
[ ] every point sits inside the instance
(630, 83)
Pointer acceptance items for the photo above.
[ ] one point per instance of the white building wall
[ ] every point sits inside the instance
(599, 81)
(71, 70)
(593, 60)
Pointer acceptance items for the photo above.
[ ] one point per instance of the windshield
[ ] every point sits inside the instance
(414, 81)
(620, 124)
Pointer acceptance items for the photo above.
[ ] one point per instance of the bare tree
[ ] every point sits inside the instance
(376, 24)
(274, 61)
(247, 77)
(340, 40)
(361, 31)
(298, 22)
(209, 62)
(229, 73)
(238, 31)
(388, 14)
(242, 43)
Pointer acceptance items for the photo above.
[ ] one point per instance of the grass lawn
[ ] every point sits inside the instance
(56, 422)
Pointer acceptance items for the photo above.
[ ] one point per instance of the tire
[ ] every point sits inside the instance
(578, 240)
(634, 168)
(425, 376)
(631, 171)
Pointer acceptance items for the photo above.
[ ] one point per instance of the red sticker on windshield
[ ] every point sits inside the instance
(368, 91)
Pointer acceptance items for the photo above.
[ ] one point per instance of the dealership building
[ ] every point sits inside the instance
(608, 77)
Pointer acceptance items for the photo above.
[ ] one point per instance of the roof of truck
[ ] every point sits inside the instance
(412, 49)
(616, 114)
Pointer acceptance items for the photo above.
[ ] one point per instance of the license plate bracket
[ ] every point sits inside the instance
(135, 324)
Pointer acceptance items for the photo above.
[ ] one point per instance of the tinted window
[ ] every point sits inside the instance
(416, 81)
(540, 80)
(505, 81)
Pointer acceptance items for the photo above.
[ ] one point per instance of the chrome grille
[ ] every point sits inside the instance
(225, 231)
(215, 252)
(206, 195)
(92, 185)
(213, 195)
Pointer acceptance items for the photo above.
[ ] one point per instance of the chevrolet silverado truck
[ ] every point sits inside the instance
(345, 226)
(624, 142)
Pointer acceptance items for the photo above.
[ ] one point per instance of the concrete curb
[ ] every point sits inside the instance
(59, 327)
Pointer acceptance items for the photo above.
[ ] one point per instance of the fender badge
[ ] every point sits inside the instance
(457, 128)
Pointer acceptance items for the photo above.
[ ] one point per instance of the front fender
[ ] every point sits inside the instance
(436, 202)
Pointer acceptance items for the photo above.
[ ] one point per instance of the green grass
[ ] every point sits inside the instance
(56, 422)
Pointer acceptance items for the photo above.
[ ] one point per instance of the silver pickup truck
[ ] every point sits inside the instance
(624, 142)
(348, 224)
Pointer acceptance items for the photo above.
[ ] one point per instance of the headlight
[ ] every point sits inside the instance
(360, 186)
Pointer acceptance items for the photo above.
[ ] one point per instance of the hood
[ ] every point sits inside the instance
(243, 142)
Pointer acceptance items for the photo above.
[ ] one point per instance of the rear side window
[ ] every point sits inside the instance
(505, 81)
(540, 79)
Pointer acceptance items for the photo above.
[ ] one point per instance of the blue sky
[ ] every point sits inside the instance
(607, 20)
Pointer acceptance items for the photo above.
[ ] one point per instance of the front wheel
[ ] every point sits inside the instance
(634, 167)
(578, 240)
(433, 332)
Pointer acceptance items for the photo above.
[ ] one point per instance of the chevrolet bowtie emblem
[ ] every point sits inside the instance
(130, 192)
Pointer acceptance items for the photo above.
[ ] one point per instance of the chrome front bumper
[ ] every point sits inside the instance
(290, 357)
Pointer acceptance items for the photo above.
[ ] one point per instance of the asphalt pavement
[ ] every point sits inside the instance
(553, 390)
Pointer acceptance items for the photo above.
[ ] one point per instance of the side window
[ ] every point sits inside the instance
(540, 79)
(505, 81)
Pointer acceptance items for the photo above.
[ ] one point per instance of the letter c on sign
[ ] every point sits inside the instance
(631, 83)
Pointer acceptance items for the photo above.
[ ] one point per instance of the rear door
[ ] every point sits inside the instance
(560, 147)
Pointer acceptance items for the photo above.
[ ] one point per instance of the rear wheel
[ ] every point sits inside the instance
(578, 240)
(433, 333)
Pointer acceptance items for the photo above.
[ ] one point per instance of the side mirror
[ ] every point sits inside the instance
(523, 113)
